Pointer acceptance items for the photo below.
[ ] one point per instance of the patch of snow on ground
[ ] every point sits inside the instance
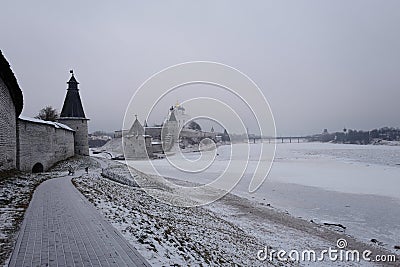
(16, 191)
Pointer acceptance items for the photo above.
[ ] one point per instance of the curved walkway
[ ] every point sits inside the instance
(61, 228)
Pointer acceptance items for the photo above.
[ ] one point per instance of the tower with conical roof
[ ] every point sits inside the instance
(136, 144)
(73, 115)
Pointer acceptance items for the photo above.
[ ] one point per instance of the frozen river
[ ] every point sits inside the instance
(356, 186)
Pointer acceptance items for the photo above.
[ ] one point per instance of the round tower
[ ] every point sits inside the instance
(72, 115)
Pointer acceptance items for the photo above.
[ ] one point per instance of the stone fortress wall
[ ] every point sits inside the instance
(8, 124)
(29, 144)
(42, 144)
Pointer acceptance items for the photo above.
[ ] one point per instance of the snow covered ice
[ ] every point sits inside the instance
(347, 185)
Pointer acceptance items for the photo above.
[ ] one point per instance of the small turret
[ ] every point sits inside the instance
(136, 144)
(137, 128)
(172, 117)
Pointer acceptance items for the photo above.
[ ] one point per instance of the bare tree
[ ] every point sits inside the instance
(47, 113)
(194, 126)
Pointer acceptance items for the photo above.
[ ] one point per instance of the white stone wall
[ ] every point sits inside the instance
(80, 127)
(170, 135)
(44, 144)
(134, 147)
(8, 138)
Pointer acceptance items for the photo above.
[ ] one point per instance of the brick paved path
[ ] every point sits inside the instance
(61, 228)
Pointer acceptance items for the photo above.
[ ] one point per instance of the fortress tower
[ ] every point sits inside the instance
(136, 144)
(72, 115)
(170, 132)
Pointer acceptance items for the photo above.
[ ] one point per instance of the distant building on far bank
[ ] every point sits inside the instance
(98, 141)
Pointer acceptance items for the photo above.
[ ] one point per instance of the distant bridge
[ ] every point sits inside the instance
(280, 138)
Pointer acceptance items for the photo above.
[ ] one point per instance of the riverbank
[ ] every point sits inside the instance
(229, 231)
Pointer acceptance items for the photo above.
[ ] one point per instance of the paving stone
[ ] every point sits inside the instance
(61, 228)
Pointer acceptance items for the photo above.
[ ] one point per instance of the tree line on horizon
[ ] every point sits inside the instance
(349, 136)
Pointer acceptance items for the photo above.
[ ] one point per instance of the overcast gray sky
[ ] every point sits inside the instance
(320, 64)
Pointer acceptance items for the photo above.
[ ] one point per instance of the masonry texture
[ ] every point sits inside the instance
(81, 134)
(11, 104)
(43, 143)
(8, 146)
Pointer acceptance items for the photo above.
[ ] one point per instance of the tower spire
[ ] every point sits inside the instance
(72, 115)
(72, 107)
